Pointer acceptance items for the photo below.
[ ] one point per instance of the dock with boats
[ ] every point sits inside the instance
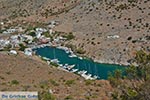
(72, 69)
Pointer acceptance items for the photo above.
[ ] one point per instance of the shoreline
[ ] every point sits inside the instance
(111, 62)
(125, 64)
(86, 72)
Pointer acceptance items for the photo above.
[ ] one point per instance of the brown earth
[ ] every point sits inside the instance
(33, 74)
(92, 21)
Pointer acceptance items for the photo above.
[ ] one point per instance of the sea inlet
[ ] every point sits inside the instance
(94, 68)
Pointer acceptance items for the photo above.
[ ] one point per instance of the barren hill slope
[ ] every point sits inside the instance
(25, 8)
(22, 73)
(109, 32)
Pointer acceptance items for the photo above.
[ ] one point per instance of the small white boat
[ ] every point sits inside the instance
(80, 58)
(88, 76)
(72, 55)
(45, 58)
(74, 70)
(95, 77)
(82, 72)
(66, 51)
(65, 66)
(60, 65)
(69, 67)
(55, 60)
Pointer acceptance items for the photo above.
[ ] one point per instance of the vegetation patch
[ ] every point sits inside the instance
(135, 86)
(45, 95)
(54, 83)
(80, 51)
(69, 36)
(22, 47)
(14, 82)
(70, 82)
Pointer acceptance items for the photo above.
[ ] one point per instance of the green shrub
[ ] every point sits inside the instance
(35, 40)
(14, 82)
(54, 83)
(121, 7)
(70, 82)
(132, 1)
(44, 84)
(22, 47)
(70, 46)
(46, 34)
(8, 47)
(132, 93)
(88, 82)
(70, 36)
(45, 95)
(68, 97)
(32, 34)
(80, 51)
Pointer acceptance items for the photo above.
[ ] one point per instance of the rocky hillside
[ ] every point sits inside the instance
(110, 31)
(22, 73)
(25, 8)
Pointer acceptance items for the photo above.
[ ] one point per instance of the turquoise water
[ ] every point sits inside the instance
(91, 67)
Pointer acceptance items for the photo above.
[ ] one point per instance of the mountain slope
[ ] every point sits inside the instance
(32, 74)
(95, 23)
(25, 8)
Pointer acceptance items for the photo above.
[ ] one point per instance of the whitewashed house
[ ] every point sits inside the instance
(50, 31)
(4, 43)
(28, 51)
(2, 23)
(8, 31)
(15, 40)
(39, 32)
(62, 38)
(113, 36)
(27, 38)
(13, 52)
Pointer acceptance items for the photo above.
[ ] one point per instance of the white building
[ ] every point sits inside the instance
(26, 38)
(2, 23)
(113, 36)
(13, 52)
(15, 40)
(50, 31)
(39, 32)
(8, 31)
(4, 43)
(28, 51)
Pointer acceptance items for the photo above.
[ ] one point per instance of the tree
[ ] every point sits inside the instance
(118, 74)
(32, 34)
(45, 95)
(70, 36)
(143, 61)
(22, 47)
(136, 84)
